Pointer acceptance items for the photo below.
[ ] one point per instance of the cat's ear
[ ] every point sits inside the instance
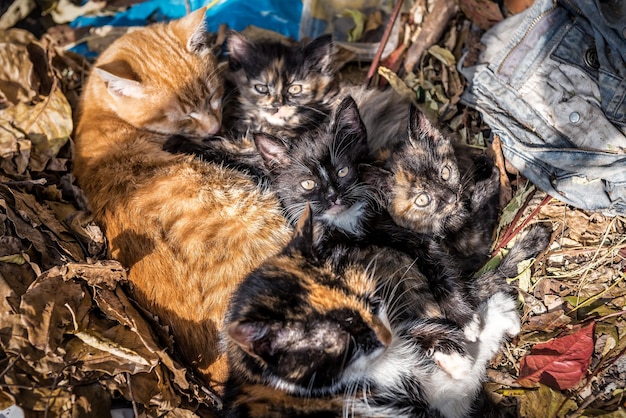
(122, 85)
(272, 149)
(420, 128)
(347, 120)
(318, 54)
(195, 24)
(302, 239)
(239, 48)
(253, 337)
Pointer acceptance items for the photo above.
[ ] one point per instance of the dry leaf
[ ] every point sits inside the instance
(560, 363)
(545, 402)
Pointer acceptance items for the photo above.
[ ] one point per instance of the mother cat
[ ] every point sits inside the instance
(188, 231)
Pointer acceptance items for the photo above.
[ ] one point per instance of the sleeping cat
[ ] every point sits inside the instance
(187, 230)
(314, 336)
(280, 89)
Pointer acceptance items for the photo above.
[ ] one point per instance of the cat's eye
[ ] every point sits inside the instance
(308, 184)
(295, 89)
(343, 172)
(422, 200)
(446, 172)
(261, 88)
(375, 304)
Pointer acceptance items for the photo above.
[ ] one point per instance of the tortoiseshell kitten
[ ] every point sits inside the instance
(313, 336)
(280, 89)
(437, 189)
(323, 170)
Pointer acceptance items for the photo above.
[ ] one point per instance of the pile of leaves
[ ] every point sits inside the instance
(72, 340)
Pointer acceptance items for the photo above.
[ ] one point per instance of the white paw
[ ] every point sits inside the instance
(455, 364)
(472, 329)
(502, 314)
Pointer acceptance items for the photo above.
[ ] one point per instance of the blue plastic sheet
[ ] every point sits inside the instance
(276, 15)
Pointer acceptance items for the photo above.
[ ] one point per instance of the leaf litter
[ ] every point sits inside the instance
(72, 340)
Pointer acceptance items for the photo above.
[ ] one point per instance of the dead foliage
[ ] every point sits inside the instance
(72, 340)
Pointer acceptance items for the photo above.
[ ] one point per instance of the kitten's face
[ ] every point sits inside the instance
(279, 85)
(178, 91)
(322, 170)
(426, 188)
(302, 327)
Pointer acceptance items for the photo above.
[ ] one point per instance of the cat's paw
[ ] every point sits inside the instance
(501, 313)
(472, 329)
(535, 240)
(456, 365)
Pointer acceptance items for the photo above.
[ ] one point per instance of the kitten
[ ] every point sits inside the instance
(323, 170)
(320, 336)
(433, 188)
(187, 230)
(280, 89)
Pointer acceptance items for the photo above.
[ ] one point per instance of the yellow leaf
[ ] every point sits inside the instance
(443, 55)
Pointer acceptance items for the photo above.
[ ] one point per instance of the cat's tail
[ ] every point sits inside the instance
(529, 245)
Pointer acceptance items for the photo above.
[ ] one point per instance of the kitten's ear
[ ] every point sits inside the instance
(195, 24)
(302, 240)
(272, 149)
(318, 54)
(253, 337)
(238, 49)
(121, 85)
(347, 119)
(419, 126)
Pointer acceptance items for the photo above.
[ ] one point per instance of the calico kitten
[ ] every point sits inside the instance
(319, 336)
(187, 230)
(436, 189)
(323, 170)
(280, 89)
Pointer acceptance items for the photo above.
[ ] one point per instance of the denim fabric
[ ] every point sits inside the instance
(551, 83)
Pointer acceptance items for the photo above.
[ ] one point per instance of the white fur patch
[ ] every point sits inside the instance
(349, 220)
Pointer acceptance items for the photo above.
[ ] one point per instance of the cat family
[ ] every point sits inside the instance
(315, 335)
(188, 230)
(191, 230)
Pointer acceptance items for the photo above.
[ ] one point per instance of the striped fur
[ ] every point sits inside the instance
(188, 230)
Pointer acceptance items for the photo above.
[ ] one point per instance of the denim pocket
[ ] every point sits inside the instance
(581, 49)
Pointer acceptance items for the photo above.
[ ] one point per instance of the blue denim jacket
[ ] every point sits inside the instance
(551, 83)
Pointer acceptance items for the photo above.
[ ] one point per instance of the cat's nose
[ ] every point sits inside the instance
(278, 102)
(331, 194)
(450, 197)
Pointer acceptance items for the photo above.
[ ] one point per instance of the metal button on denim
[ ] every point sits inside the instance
(591, 58)
(574, 117)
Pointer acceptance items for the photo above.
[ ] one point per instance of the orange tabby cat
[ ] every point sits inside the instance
(188, 231)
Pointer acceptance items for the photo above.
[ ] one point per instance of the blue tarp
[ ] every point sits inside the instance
(276, 15)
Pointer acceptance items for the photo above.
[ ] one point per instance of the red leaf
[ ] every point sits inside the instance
(560, 363)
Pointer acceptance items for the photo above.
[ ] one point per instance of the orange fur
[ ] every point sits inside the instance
(188, 231)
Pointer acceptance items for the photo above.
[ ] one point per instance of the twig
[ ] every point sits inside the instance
(132, 397)
(434, 25)
(509, 236)
(383, 42)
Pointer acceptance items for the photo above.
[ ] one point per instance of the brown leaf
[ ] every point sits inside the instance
(483, 13)
(545, 402)
(560, 363)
